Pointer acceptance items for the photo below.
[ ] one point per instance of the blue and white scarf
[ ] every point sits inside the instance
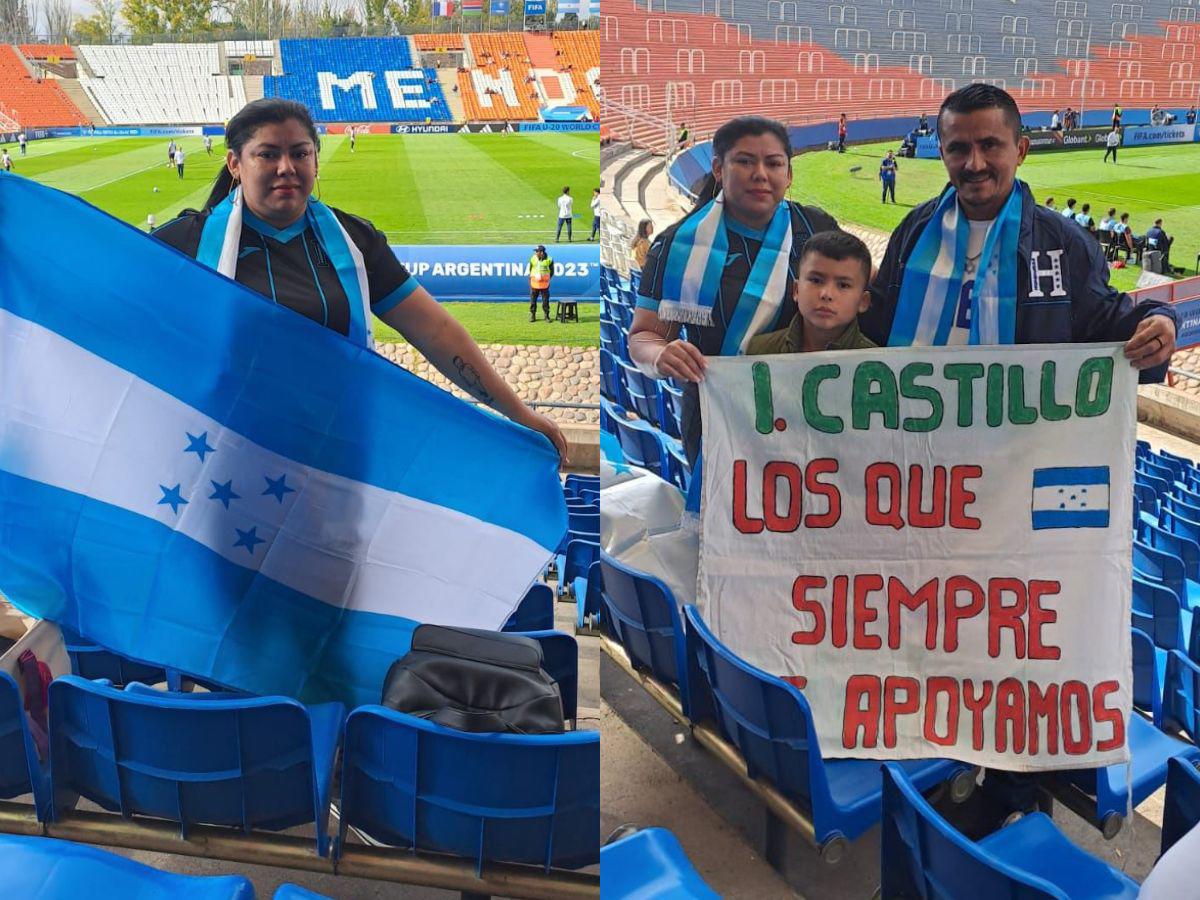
(691, 283)
(933, 278)
(221, 238)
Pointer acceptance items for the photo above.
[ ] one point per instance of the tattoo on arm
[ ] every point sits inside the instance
(471, 381)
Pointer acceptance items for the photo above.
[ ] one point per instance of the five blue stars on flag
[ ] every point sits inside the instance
(224, 492)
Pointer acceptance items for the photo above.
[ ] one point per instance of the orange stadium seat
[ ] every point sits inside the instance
(438, 43)
(500, 57)
(46, 51)
(581, 50)
(33, 103)
(703, 68)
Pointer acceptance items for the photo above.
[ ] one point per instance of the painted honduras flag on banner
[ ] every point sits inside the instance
(195, 477)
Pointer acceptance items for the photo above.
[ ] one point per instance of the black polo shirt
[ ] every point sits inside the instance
(292, 268)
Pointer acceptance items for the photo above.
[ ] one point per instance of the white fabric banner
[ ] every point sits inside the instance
(933, 543)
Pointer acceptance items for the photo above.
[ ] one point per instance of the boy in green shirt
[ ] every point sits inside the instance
(830, 292)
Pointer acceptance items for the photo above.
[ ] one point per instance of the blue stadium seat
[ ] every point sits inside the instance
(583, 524)
(1148, 676)
(642, 446)
(362, 79)
(770, 723)
(576, 561)
(1161, 567)
(641, 391)
(610, 382)
(577, 481)
(535, 611)
(587, 590)
(650, 865)
(1150, 750)
(1181, 695)
(642, 615)
(213, 759)
(41, 868)
(679, 472)
(295, 892)
(532, 799)
(923, 856)
(1181, 813)
(1158, 612)
(1184, 548)
(20, 771)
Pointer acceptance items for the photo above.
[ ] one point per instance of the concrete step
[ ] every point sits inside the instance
(253, 86)
(448, 78)
(74, 90)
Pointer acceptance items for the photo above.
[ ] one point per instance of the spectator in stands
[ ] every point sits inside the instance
(1157, 239)
(979, 128)
(541, 271)
(995, 296)
(1050, 204)
(595, 204)
(565, 214)
(1111, 143)
(262, 226)
(1084, 219)
(681, 141)
(762, 233)
(640, 245)
(1109, 220)
(179, 158)
(830, 293)
(888, 167)
(22, 140)
(1069, 212)
(841, 148)
(5, 160)
(1055, 125)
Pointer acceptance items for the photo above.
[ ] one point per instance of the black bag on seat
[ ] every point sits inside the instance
(473, 680)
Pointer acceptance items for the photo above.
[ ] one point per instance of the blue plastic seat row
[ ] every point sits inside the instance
(267, 763)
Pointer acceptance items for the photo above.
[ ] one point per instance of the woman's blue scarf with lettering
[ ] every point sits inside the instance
(933, 278)
(222, 234)
(691, 282)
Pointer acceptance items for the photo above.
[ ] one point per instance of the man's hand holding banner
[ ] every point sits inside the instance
(934, 543)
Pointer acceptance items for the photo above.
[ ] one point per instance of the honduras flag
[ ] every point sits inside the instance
(195, 477)
(1073, 497)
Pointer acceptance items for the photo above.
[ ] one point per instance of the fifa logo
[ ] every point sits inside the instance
(1036, 274)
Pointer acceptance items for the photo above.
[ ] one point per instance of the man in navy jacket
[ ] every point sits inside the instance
(1063, 294)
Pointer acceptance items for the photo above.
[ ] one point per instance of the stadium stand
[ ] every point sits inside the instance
(695, 65)
(651, 863)
(173, 84)
(498, 87)
(47, 51)
(358, 80)
(32, 102)
(439, 43)
(723, 697)
(580, 50)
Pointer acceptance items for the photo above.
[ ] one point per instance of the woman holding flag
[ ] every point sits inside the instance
(261, 227)
(727, 267)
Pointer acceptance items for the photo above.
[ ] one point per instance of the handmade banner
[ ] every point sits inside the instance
(195, 477)
(933, 543)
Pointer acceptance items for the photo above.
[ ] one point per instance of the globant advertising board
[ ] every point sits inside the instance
(932, 543)
(501, 272)
(1159, 134)
(1043, 139)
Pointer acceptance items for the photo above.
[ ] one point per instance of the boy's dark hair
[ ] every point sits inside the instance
(1086, 208)
(1112, 211)
(983, 96)
(1071, 202)
(839, 245)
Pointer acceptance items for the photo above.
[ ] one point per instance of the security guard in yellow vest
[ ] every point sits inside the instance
(541, 270)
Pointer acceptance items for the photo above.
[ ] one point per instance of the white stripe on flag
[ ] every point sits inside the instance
(693, 273)
(82, 424)
(1071, 498)
(773, 293)
(937, 286)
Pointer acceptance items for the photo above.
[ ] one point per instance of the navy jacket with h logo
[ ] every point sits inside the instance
(1063, 294)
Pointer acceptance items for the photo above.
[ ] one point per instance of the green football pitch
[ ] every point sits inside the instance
(418, 189)
(1148, 182)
